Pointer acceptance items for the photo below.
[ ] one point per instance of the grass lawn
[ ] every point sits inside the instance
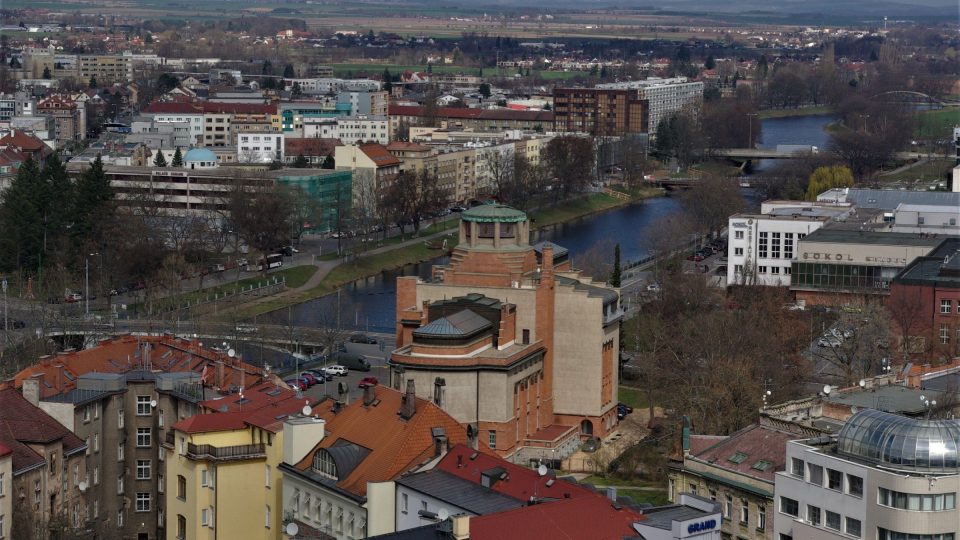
(803, 111)
(923, 170)
(936, 124)
(295, 277)
(582, 206)
(632, 396)
(640, 491)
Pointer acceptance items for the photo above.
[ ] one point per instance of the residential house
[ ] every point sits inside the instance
(71, 118)
(340, 463)
(314, 150)
(47, 466)
(6, 490)
(27, 144)
(373, 166)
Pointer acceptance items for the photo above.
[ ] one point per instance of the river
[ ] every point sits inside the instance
(369, 304)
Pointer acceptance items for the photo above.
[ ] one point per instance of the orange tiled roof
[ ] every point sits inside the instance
(396, 445)
(23, 425)
(379, 154)
(127, 353)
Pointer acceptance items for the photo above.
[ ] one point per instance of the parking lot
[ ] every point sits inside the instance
(376, 355)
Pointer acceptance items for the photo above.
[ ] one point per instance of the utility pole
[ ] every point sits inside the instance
(86, 294)
(6, 320)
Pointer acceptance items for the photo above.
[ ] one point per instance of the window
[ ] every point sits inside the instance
(775, 270)
(404, 503)
(738, 268)
(834, 480)
(762, 245)
(492, 439)
(918, 502)
(738, 251)
(96, 476)
(2, 483)
(143, 502)
(143, 437)
(761, 518)
(775, 245)
(120, 485)
(181, 527)
(944, 334)
(813, 515)
(96, 508)
(120, 518)
(816, 474)
(789, 506)
(744, 512)
(120, 418)
(761, 269)
(853, 527)
(693, 489)
(832, 521)
(738, 235)
(884, 534)
(143, 406)
(713, 495)
(86, 414)
(787, 245)
(323, 463)
(854, 485)
(96, 442)
(205, 477)
(181, 488)
(143, 469)
(161, 484)
(423, 506)
(728, 506)
(946, 306)
(266, 475)
(204, 517)
(36, 491)
(266, 517)
(796, 467)
(120, 452)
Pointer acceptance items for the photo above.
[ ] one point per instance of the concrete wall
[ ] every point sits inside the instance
(6, 495)
(381, 508)
(324, 507)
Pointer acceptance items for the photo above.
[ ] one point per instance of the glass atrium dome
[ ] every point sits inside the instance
(899, 442)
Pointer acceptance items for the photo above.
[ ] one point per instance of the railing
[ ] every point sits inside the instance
(226, 453)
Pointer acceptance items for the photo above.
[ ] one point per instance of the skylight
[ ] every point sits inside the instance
(762, 465)
(739, 457)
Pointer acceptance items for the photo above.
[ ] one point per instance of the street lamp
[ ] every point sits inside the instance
(86, 295)
(750, 129)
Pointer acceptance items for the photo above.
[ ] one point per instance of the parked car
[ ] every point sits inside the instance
(653, 287)
(352, 361)
(338, 370)
(295, 383)
(696, 257)
(363, 338)
(310, 379)
(319, 374)
(368, 381)
(72, 297)
(829, 342)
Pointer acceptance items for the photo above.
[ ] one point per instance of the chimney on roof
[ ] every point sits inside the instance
(369, 394)
(31, 390)
(461, 527)
(408, 407)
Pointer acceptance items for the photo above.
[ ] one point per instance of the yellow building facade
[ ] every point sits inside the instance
(222, 479)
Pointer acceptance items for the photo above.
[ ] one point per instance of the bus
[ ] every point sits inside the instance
(274, 260)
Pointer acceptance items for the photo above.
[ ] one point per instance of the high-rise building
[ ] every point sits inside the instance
(599, 112)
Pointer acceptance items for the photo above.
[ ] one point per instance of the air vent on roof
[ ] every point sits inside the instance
(275, 392)
(738, 457)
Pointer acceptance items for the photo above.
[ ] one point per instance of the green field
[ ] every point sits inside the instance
(923, 170)
(937, 124)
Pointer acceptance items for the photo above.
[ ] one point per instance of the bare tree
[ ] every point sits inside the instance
(864, 331)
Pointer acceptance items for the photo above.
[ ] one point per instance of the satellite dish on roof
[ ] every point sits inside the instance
(231, 353)
(306, 410)
(443, 514)
(83, 486)
(292, 529)
(863, 383)
(542, 470)
(153, 403)
(827, 389)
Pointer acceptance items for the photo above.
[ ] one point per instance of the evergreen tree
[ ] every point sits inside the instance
(267, 68)
(328, 163)
(301, 162)
(93, 204)
(159, 160)
(485, 90)
(762, 66)
(288, 71)
(46, 72)
(296, 92)
(22, 238)
(93, 81)
(603, 72)
(616, 276)
(387, 80)
(710, 63)
(177, 159)
(53, 204)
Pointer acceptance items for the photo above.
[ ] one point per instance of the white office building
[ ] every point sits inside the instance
(884, 477)
(924, 218)
(665, 96)
(760, 247)
(262, 147)
(193, 121)
(361, 128)
(318, 127)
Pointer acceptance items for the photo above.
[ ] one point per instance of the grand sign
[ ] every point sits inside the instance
(702, 526)
(846, 257)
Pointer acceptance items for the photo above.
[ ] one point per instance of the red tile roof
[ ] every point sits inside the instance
(379, 154)
(5, 451)
(310, 146)
(11, 156)
(521, 483)
(265, 405)
(255, 398)
(23, 141)
(592, 517)
(213, 107)
(396, 444)
(396, 146)
(757, 443)
(699, 443)
(128, 353)
(23, 424)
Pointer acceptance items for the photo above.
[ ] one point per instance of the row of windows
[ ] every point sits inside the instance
(842, 276)
(822, 518)
(932, 502)
(834, 479)
(326, 514)
(946, 306)
(945, 334)
(884, 534)
(775, 270)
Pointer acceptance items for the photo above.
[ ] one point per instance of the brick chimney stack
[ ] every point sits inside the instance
(369, 394)
(408, 406)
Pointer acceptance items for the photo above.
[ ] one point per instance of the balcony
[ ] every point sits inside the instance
(226, 453)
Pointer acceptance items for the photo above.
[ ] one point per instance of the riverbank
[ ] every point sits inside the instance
(335, 274)
(789, 113)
